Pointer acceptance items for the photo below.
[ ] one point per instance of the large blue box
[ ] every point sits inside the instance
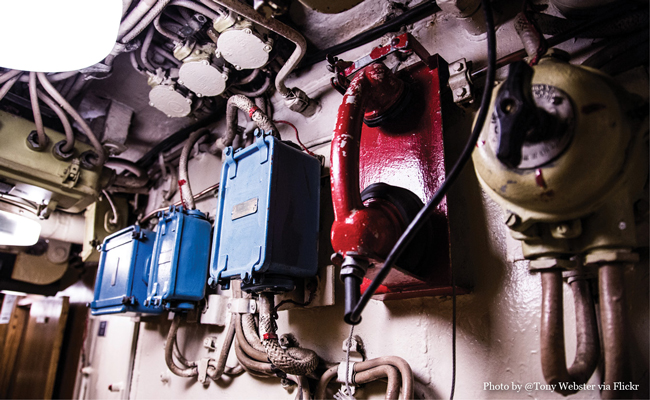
(179, 266)
(122, 276)
(267, 222)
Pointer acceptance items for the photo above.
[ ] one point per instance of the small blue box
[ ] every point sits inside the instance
(179, 266)
(122, 276)
(267, 222)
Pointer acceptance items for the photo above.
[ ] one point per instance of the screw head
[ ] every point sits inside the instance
(248, 31)
(622, 225)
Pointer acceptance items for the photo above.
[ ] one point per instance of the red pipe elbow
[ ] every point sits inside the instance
(369, 229)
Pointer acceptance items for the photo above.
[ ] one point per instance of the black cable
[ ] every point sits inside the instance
(424, 214)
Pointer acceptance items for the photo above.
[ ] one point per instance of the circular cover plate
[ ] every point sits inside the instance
(169, 101)
(245, 50)
(202, 78)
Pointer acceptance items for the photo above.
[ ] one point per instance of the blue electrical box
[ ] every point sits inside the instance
(179, 265)
(122, 276)
(267, 222)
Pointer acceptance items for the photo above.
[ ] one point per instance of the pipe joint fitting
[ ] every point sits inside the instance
(297, 100)
(33, 144)
(545, 264)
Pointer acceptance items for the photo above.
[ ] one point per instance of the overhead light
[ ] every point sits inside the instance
(57, 35)
(16, 230)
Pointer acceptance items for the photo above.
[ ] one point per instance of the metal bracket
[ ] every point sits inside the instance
(341, 373)
(203, 370)
(242, 306)
(71, 174)
(460, 82)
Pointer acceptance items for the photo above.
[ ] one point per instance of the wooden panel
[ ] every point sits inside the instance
(11, 346)
(35, 369)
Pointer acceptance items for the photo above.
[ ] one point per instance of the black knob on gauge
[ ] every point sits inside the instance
(516, 112)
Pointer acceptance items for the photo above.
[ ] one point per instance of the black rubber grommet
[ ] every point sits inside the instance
(88, 159)
(60, 154)
(32, 142)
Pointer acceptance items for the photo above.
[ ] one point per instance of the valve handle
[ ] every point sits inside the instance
(516, 112)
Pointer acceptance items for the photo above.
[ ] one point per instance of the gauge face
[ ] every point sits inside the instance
(540, 148)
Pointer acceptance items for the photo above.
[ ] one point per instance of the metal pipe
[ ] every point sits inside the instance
(552, 351)
(218, 367)
(196, 7)
(246, 345)
(64, 227)
(321, 389)
(376, 373)
(101, 155)
(53, 77)
(134, 17)
(169, 350)
(183, 176)
(613, 323)
(67, 128)
(250, 364)
(144, 50)
(6, 87)
(406, 390)
(303, 387)
(265, 86)
(145, 21)
(115, 218)
(9, 74)
(36, 110)
(163, 31)
(275, 26)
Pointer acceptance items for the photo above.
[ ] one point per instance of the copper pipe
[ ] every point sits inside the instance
(552, 333)
(613, 323)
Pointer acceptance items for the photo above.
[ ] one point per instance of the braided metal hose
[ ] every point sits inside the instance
(294, 360)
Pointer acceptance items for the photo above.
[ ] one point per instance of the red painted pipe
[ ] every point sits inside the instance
(369, 229)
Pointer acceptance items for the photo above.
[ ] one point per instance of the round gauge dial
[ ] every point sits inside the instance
(540, 148)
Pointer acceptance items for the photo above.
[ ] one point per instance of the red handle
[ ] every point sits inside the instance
(372, 229)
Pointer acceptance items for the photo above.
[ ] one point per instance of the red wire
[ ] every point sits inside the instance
(297, 137)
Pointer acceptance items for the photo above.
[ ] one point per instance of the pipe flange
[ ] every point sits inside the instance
(32, 142)
(611, 257)
(545, 264)
(59, 153)
(88, 159)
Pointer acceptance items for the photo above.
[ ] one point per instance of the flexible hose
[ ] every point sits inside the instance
(144, 22)
(136, 66)
(169, 350)
(248, 106)
(183, 177)
(67, 128)
(101, 155)
(53, 77)
(552, 349)
(6, 87)
(9, 75)
(294, 360)
(197, 7)
(275, 26)
(36, 110)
